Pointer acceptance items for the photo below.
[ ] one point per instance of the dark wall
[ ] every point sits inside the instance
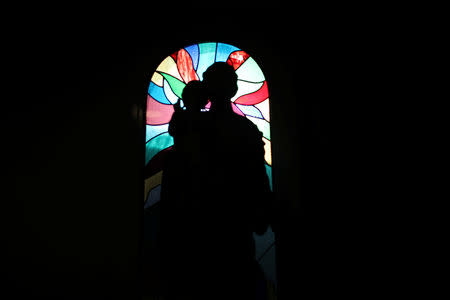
(72, 221)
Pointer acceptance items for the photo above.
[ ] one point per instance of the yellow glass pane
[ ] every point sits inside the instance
(151, 182)
(169, 66)
(267, 151)
(157, 79)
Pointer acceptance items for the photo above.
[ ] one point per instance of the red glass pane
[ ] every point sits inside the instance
(254, 98)
(185, 66)
(237, 58)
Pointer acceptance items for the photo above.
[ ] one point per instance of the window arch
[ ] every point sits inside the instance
(166, 86)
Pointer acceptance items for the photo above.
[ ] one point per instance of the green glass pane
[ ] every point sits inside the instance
(269, 174)
(157, 144)
(207, 57)
(176, 85)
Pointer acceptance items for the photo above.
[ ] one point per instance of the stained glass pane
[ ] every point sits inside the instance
(153, 196)
(158, 93)
(250, 71)
(237, 110)
(254, 98)
(262, 125)
(157, 144)
(153, 130)
(264, 109)
(157, 79)
(176, 85)
(169, 93)
(193, 52)
(267, 151)
(250, 110)
(169, 66)
(158, 113)
(224, 51)
(166, 87)
(236, 59)
(156, 164)
(269, 174)
(245, 88)
(185, 66)
(153, 181)
(207, 57)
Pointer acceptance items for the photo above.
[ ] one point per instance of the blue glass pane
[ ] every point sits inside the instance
(193, 52)
(153, 197)
(224, 50)
(157, 93)
(250, 110)
(153, 130)
(207, 57)
(157, 144)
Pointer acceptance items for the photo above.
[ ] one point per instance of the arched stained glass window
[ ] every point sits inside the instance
(166, 86)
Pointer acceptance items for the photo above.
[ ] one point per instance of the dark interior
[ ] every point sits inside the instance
(75, 153)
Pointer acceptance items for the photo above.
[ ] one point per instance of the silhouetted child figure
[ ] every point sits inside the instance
(187, 129)
(181, 185)
(185, 125)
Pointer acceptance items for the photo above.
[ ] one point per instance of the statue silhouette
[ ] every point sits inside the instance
(215, 195)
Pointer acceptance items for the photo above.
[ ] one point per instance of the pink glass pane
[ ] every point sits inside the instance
(237, 110)
(158, 113)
